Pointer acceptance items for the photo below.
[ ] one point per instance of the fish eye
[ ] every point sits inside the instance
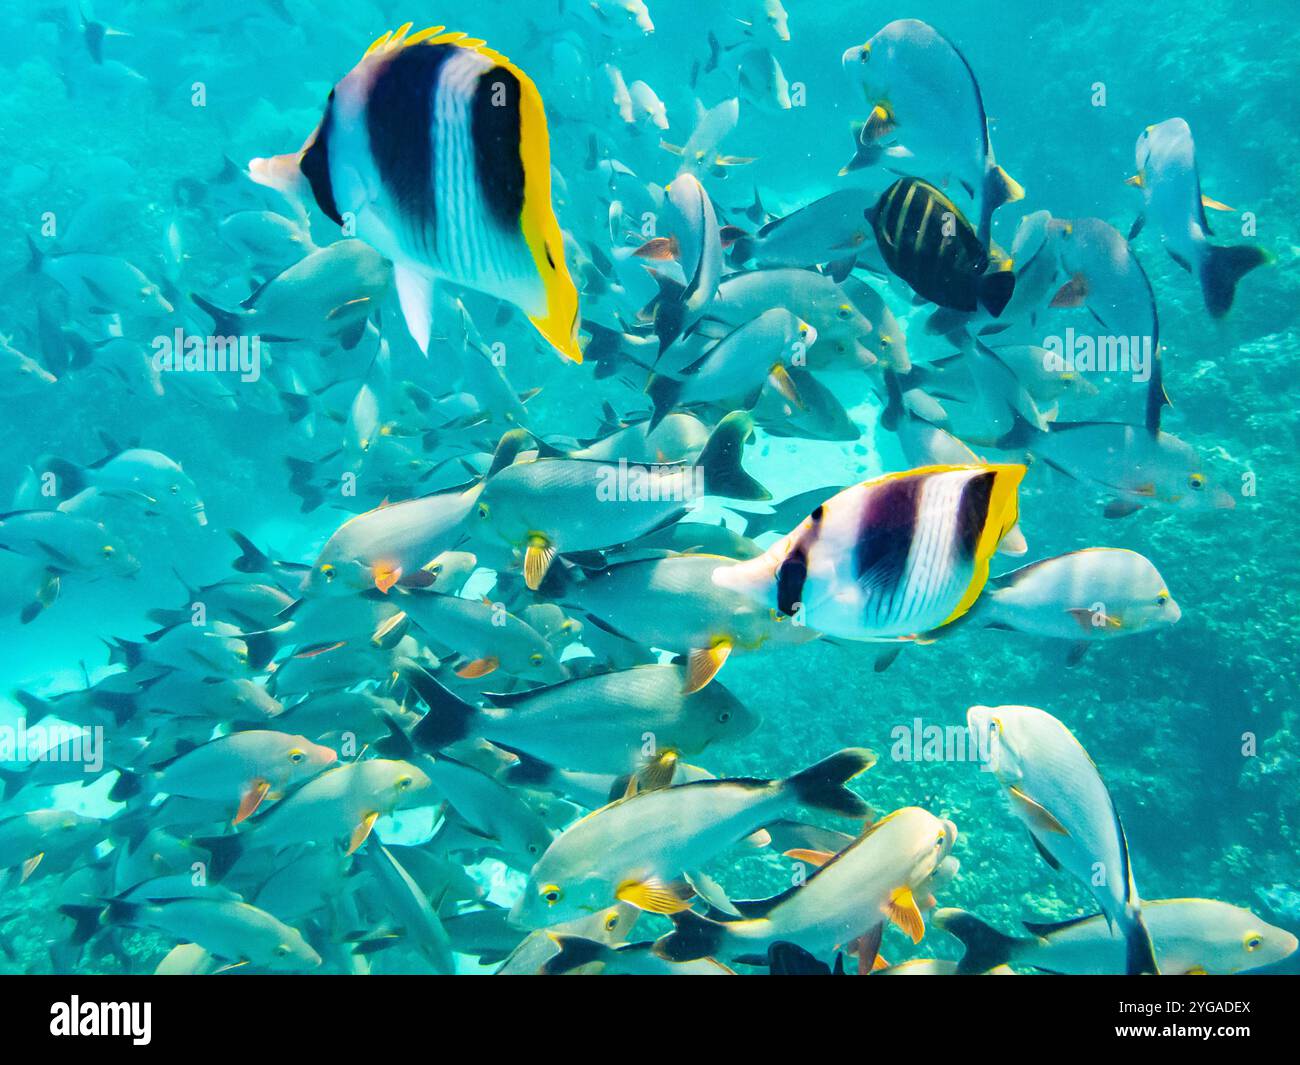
(1162, 599)
(484, 510)
(175, 489)
(724, 716)
(297, 756)
(535, 658)
(552, 894)
(533, 848)
(1197, 481)
(404, 782)
(1253, 941)
(611, 922)
(435, 569)
(327, 571)
(281, 950)
(886, 340)
(107, 551)
(843, 311)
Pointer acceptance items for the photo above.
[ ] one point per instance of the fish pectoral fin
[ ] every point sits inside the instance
(702, 665)
(659, 249)
(385, 576)
(902, 911)
(1197, 970)
(809, 856)
(537, 561)
(1120, 508)
(784, 383)
(652, 895)
(251, 799)
(1138, 180)
(415, 297)
(386, 628)
(29, 866)
(1037, 815)
(654, 775)
(362, 831)
(1213, 205)
(478, 667)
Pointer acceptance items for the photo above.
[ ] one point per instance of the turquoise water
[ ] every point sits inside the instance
(118, 159)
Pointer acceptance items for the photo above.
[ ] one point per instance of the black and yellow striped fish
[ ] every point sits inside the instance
(891, 558)
(926, 240)
(435, 149)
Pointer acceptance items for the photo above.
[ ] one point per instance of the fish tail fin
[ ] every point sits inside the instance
(119, 911)
(822, 785)
(986, 947)
(1139, 952)
(663, 392)
(87, 921)
(742, 247)
(723, 474)
(261, 648)
(223, 851)
(296, 406)
(1020, 436)
(227, 323)
(35, 257)
(669, 312)
(866, 152)
(13, 783)
(447, 717)
(999, 188)
(251, 559)
(1222, 268)
(126, 786)
(574, 952)
(34, 707)
(692, 937)
(996, 289)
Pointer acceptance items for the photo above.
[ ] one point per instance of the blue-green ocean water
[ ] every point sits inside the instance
(1165, 717)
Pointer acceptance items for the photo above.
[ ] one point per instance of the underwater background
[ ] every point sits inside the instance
(1164, 717)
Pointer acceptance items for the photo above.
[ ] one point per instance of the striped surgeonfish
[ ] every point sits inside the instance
(891, 558)
(435, 149)
(927, 242)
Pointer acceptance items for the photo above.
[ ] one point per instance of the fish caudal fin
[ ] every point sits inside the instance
(1139, 952)
(447, 717)
(822, 785)
(986, 947)
(415, 295)
(1222, 268)
(226, 323)
(720, 459)
(692, 937)
(573, 953)
(996, 289)
(663, 392)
